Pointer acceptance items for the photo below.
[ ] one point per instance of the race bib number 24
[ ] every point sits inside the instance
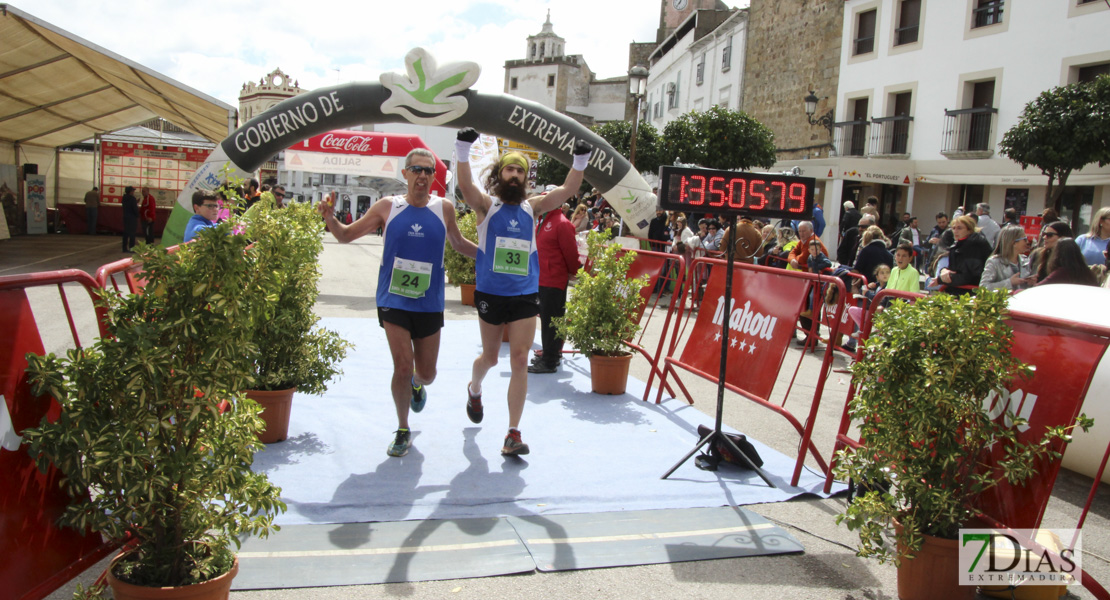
(411, 278)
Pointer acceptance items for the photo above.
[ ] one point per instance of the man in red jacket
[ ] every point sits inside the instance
(148, 211)
(558, 254)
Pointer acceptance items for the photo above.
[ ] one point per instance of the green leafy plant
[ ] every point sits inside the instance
(460, 268)
(1061, 131)
(927, 372)
(718, 138)
(293, 351)
(602, 310)
(143, 448)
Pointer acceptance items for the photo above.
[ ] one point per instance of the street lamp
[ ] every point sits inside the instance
(637, 84)
(825, 120)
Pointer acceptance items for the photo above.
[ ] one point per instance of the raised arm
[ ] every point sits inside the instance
(474, 197)
(461, 245)
(343, 233)
(556, 197)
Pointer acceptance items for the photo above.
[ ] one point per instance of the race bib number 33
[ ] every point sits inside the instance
(410, 278)
(510, 256)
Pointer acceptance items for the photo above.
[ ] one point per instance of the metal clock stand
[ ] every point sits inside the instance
(716, 435)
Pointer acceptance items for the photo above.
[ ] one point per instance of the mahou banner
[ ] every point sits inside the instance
(1064, 361)
(759, 326)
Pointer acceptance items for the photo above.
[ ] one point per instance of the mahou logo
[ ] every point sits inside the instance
(744, 321)
(354, 143)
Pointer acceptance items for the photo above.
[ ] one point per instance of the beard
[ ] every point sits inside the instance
(509, 191)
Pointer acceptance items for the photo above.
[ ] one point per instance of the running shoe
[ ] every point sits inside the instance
(473, 406)
(542, 367)
(513, 446)
(401, 443)
(419, 396)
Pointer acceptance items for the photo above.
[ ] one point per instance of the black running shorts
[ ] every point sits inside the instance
(498, 310)
(418, 324)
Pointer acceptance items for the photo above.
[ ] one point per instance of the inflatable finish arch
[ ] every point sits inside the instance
(427, 95)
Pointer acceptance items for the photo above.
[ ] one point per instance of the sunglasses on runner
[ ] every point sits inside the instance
(417, 169)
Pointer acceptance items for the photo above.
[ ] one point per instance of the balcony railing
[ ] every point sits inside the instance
(890, 136)
(850, 138)
(969, 132)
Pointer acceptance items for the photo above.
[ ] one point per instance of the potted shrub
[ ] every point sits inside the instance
(601, 312)
(460, 268)
(922, 381)
(294, 353)
(145, 452)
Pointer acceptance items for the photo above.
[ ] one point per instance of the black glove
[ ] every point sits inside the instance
(468, 135)
(580, 147)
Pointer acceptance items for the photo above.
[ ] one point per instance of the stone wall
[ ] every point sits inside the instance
(793, 46)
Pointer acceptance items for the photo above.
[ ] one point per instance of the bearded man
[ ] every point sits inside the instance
(507, 268)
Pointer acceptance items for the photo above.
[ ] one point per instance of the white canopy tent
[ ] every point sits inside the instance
(57, 89)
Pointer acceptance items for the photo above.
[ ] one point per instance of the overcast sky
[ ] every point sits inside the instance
(216, 46)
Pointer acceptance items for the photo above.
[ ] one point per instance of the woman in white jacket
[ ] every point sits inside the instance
(1008, 268)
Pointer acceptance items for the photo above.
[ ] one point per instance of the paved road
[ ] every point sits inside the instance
(828, 569)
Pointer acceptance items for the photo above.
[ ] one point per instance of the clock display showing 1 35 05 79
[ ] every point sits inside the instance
(735, 193)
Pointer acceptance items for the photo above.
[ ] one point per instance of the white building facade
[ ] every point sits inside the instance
(564, 82)
(700, 64)
(927, 90)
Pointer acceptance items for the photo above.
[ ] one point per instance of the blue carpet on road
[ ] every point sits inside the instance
(590, 453)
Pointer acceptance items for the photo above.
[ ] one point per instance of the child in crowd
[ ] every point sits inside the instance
(818, 262)
(933, 282)
(904, 277)
(882, 276)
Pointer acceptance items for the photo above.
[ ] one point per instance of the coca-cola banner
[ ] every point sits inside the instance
(357, 153)
(427, 94)
(759, 326)
(354, 142)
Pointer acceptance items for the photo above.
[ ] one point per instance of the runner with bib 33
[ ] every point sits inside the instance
(507, 289)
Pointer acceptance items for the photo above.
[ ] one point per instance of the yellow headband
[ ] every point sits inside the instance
(514, 158)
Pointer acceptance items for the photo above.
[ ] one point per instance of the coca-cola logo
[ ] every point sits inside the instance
(354, 143)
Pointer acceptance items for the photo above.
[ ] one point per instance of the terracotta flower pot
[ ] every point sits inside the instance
(933, 573)
(213, 589)
(609, 374)
(467, 291)
(275, 412)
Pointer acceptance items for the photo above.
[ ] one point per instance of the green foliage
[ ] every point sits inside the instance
(293, 350)
(95, 591)
(460, 268)
(648, 140)
(927, 373)
(619, 135)
(718, 138)
(549, 170)
(1062, 130)
(140, 441)
(601, 310)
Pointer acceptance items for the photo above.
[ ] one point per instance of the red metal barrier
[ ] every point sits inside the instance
(664, 271)
(38, 555)
(761, 323)
(1065, 355)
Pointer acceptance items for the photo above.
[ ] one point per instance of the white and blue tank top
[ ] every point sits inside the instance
(508, 264)
(411, 274)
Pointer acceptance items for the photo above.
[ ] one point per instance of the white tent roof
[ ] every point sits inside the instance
(57, 89)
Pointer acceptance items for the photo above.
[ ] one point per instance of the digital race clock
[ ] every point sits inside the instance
(735, 193)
